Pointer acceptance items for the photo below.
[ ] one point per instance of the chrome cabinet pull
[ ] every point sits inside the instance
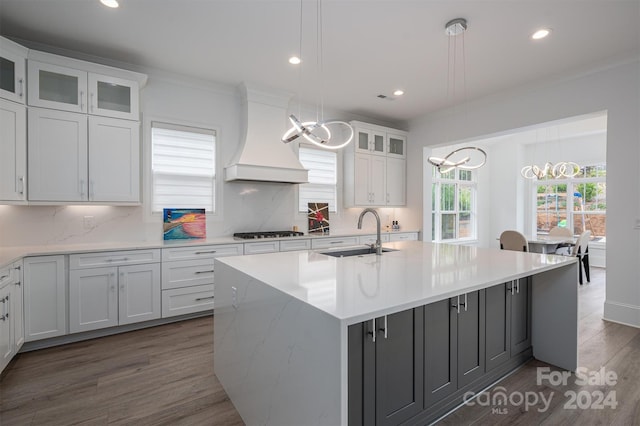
(385, 328)
(204, 298)
(457, 304)
(91, 101)
(465, 302)
(3, 277)
(91, 188)
(373, 330)
(21, 180)
(336, 242)
(206, 252)
(81, 100)
(4, 313)
(21, 82)
(124, 259)
(203, 272)
(518, 286)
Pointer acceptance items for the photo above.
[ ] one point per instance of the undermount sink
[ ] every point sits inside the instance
(354, 252)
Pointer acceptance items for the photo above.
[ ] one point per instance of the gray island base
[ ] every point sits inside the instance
(302, 338)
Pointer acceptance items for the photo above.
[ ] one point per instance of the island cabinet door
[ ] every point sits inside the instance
(471, 337)
(385, 378)
(440, 350)
(399, 366)
(498, 325)
(521, 316)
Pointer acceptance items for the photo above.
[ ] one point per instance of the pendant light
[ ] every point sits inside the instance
(468, 157)
(318, 132)
(562, 169)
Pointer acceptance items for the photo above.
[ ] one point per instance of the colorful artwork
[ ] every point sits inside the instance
(318, 218)
(181, 224)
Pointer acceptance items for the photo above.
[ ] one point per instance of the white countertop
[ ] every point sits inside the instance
(355, 289)
(9, 255)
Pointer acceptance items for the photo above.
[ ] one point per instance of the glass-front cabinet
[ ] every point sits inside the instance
(370, 141)
(396, 145)
(69, 89)
(12, 70)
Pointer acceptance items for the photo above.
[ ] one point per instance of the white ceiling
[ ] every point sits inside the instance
(370, 47)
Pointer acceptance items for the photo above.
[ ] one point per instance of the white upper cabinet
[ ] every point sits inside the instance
(56, 87)
(375, 167)
(74, 90)
(12, 71)
(113, 97)
(57, 156)
(13, 152)
(114, 160)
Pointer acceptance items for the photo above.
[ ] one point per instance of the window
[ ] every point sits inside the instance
(323, 178)
(578, 203)
(453, 205)
(183, 167)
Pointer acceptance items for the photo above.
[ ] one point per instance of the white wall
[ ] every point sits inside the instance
(616, 90)
(244, 206)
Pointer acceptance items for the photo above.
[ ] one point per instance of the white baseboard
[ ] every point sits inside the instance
(622, 313)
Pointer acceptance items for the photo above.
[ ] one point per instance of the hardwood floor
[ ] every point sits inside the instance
(164, 376)
(157, 376)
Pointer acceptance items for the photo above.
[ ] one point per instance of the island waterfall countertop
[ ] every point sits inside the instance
(357, 288)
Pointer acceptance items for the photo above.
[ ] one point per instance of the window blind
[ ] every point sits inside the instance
(183, 167)
(323, 178)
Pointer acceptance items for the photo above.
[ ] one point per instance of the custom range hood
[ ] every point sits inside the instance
(262, 156)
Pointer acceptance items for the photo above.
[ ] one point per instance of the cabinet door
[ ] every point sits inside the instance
(113, 97)
(378, 180)
(471, 337)
(521, 316)
(13, 151)
(12, 70)
(6, 326)
(356, 374)
(17, 300)
(45, 307)
(57, 156)
(362, 171)
(114, 160)
(440, 347)
(399, 366)
(53, 86)
(93, 299)
(498, 325)
(139, 294)
(396, 146)
(396, 182)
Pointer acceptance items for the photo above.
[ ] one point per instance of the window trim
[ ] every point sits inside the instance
(147, 175)
(437, 212)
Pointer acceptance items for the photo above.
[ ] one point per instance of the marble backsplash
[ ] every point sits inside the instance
(245, 207)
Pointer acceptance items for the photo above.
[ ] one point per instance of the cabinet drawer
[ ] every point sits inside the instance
(291, 245)
(186, 273)
(187, 300)
(261, 247)
(113, 258)
(371, 239)
(404, 237)
(199, 252)
(334, 242)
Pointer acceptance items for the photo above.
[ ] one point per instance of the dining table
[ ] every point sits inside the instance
(547, 244)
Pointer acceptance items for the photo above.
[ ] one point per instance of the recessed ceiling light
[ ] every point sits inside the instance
(110, 3)
(541, 33)
(399, 92)
(294, 60)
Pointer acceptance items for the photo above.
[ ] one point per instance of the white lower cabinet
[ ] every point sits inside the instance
(6, 318)
(115, 295)
(403, 236)
(45, 297)
(188, 277)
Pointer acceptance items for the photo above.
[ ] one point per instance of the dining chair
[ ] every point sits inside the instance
(563, 248)
(513, 240)
(581, 251)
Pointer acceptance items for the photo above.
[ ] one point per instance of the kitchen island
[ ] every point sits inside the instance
(303, 338)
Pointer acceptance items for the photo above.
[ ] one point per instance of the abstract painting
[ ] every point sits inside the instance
(179, 224)
(318, 218)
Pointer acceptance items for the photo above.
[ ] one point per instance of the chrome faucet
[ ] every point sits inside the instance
(378, 244)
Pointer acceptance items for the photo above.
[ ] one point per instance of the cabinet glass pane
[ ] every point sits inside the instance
(396, 146)
(378, 143)
(7, 75)
(114, 97)
(363, 140)
(58, 87)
